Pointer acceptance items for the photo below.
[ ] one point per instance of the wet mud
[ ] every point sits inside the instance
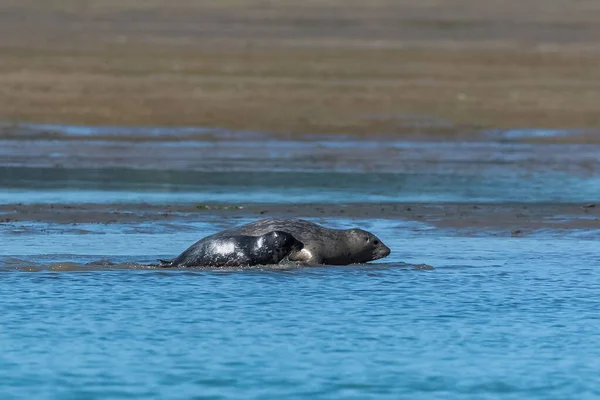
(512, 219)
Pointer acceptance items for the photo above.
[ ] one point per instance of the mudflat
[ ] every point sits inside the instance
(508, 219)
(290, 67)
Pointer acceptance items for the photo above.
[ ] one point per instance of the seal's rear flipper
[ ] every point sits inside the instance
(164, 263)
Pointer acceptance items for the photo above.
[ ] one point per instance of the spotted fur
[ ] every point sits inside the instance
(237, 251)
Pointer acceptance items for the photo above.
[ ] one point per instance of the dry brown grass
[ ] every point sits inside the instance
(288, 66)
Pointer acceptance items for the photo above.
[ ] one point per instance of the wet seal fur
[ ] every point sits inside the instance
(321, 245)
(238, 250)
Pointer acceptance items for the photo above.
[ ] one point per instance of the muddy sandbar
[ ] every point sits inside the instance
(324, 67)
(497, 219)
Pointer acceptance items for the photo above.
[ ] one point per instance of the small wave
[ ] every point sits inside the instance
(22, 265)
(16, 264)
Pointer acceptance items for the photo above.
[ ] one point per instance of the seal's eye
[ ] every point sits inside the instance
(367, 239)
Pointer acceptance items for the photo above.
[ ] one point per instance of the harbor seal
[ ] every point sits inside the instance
(321, 245)
(237, 250)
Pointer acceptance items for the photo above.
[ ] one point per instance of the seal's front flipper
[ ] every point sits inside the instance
(165, 263)
(305, 256)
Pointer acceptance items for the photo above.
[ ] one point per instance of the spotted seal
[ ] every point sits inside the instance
(237, 250)
(321, 245)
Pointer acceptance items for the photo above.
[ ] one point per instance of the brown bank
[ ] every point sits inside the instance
(295, 67)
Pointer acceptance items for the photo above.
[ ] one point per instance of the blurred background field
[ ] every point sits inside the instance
(289, 67)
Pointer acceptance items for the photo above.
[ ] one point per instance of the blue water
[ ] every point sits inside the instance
(164, 187)
(82, 315)
(506, 318)
(162, 170)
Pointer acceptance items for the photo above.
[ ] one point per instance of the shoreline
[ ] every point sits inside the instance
(504, 219)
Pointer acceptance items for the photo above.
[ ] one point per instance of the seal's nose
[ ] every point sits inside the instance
(384, 251)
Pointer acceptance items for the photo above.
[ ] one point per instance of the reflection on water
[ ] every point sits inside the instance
(41, 185)
(38, 131)
(514, 134)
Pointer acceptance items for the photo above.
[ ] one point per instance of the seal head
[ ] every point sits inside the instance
(366, 246)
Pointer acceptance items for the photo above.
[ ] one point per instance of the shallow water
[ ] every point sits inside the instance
(287, 171)
(83, 316)
(187, 164)
(496, 318)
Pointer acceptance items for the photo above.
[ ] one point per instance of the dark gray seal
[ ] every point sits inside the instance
(321, 245)
(237, 250)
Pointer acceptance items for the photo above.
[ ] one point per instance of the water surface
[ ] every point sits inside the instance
(84, 316)
(496, 318)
